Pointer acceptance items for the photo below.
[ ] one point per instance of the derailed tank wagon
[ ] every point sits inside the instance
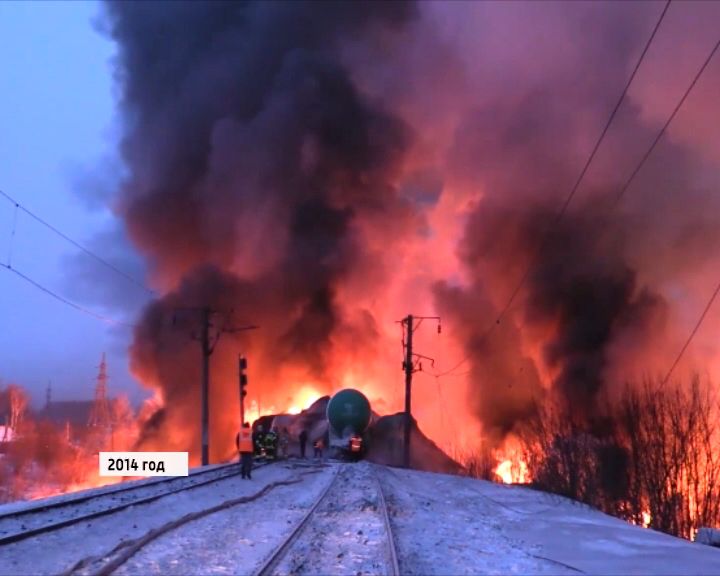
(348, 415)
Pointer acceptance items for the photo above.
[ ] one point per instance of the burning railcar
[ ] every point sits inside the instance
(348, 416)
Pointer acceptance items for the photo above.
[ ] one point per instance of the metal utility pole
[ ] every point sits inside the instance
(207, 346)
(408, 325)
(205, 393)
(408, 389)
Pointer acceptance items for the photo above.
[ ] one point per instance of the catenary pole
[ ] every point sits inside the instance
(205, 393)
(408, 389)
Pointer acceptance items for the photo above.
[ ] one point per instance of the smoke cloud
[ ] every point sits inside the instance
(323, 169)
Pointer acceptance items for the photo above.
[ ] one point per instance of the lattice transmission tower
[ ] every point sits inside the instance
(100, 413)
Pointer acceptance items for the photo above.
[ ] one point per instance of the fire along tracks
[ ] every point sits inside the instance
(346, 531)
(48, 517)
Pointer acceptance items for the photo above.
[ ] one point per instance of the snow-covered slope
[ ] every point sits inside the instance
(456, 525)
(442, 525)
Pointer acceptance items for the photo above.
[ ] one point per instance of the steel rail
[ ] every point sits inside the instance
(272, 562)
(110, 490)
(128, 548)
(53, 526)
(267, 567)
(392, 550)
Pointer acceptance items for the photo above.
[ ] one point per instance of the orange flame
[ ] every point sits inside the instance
(511, 468)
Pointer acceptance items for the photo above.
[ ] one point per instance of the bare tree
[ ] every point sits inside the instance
(671, 432)
(18, 405)
(653, 455)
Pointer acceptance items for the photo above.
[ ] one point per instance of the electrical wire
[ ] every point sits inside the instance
(77, 244)
(12, 234)
(692, 335)
(665, 126)
(563, 210)
(621, 194)
(707, 308)
(65, 301)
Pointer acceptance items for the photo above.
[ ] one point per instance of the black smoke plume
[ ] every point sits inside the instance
(253, 158)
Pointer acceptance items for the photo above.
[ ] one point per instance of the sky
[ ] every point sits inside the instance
(57, 148)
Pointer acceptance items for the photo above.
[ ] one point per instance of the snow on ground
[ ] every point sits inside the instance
(102, 500)
(453, 525)
(347, 532)
(235, 541)
(442, 525)
(113, 485)
(58, 551)
(346, 535)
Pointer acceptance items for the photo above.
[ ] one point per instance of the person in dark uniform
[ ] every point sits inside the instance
(258, 439)
(303, 442)
(271, 444)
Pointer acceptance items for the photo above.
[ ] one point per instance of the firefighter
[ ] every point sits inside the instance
(271, 443)
(259, 441)
(318, 445)
(245, 447)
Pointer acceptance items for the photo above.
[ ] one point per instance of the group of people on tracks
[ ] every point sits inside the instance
(269, 445)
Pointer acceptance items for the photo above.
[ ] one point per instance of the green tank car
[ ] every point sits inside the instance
(348, 414)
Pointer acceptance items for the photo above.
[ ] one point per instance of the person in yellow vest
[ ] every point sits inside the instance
(245, 447)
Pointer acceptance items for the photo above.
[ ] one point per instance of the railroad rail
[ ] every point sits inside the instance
(287, 543)
(392, 549)
(125, 550)
(275, 559)
(99, 504)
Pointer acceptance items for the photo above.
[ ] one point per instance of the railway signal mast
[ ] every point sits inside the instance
(410, 366)
(208, 344)
(242, 365)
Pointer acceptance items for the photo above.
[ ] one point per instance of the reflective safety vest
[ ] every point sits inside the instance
(355, 444)
(245, 443)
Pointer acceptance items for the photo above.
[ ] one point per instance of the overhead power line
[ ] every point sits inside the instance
(692, 335)
(665, 126)
(550, 228)
(708, 306)
(65, 301)
(563, 210)
(75, 243)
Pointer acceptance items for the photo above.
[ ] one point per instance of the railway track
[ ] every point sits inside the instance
(107, 563)
(342, 532)
(30, 522)
(392, 550)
